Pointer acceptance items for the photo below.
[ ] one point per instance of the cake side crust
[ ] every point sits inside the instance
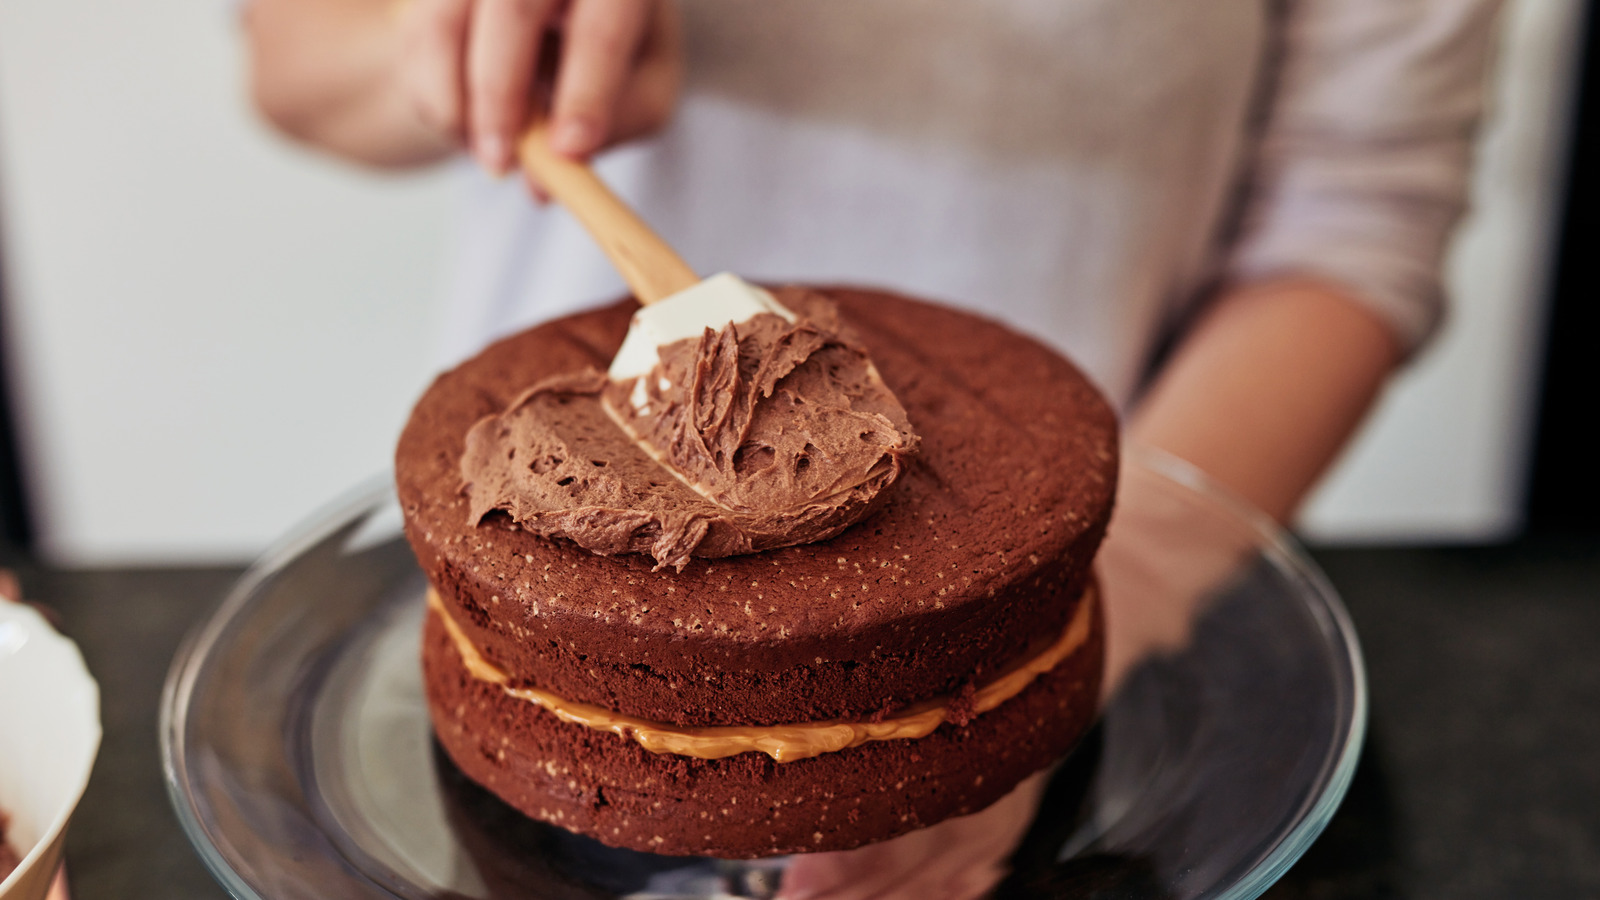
(607, 787)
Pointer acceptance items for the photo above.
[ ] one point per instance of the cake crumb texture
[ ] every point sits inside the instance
(746, 806)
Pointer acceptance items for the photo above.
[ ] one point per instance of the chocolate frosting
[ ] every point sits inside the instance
(763, 434)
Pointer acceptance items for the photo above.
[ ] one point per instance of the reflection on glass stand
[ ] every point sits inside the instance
(300, 760)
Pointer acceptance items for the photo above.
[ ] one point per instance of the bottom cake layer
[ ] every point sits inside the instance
(609, 788)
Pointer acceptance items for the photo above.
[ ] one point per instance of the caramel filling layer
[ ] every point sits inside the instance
(784, 743)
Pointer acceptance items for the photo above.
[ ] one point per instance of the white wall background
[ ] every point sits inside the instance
(212, 333)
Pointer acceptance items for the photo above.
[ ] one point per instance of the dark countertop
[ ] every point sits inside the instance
(1480, 778)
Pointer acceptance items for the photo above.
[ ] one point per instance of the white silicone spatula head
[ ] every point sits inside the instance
(676, 303)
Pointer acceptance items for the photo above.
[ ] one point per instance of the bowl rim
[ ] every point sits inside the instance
(38, 629)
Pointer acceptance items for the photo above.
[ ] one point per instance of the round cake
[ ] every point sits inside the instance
(914, 667)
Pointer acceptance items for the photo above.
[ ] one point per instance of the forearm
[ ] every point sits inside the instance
(326, 72)
(1267, 387)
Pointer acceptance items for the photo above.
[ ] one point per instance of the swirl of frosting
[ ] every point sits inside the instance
(765, 433)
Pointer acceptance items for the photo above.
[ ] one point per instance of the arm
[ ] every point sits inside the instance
(1265, 389)
(1261, 394)
(407, 82)
(326, 72)
(1359, 173)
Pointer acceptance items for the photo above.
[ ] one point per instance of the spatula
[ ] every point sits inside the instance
(676, 302)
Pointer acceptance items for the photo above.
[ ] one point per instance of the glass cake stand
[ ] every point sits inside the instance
(299, 758)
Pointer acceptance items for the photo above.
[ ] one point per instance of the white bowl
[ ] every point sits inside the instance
(49, 732)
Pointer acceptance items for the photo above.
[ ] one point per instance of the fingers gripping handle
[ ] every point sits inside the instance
(651, 268)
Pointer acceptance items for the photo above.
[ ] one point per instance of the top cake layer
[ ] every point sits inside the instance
(978, 557)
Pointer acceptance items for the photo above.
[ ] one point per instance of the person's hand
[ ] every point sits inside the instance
(957, 859)
(475, 70)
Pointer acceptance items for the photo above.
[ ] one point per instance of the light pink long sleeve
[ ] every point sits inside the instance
(1365, 149)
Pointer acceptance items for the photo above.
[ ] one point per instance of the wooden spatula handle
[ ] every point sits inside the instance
(650, 267)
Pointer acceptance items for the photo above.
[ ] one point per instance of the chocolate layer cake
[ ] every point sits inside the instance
(914, 667)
